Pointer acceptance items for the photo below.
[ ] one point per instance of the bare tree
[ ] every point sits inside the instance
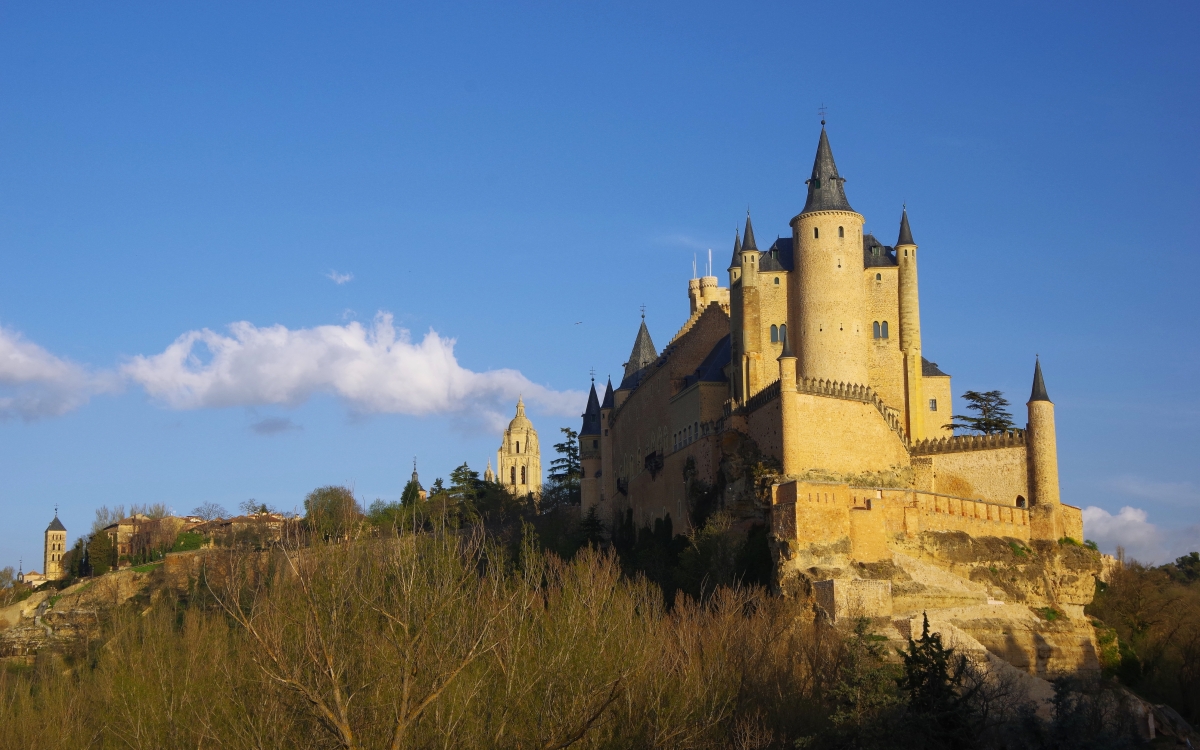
(210, 511)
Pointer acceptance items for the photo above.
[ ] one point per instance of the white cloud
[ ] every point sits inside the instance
(376, 369)
(339, 278)
(34, 383)
(1142, 540)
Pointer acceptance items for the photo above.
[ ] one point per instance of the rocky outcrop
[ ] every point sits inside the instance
(1021, 602)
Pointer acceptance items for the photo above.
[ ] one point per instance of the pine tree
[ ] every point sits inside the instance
(990, 418)
(565, 473)
(411, 494)
(939, 702)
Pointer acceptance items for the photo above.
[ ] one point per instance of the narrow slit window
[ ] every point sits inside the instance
(875, 329)
(512, 475)
(883, 330)
(841, 231)
(783, 332)
(774, 334)
(816, 233)
(523, 476)
(518, 446)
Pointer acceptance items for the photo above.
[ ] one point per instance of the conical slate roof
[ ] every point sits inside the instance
(591, 415)
(825, 187)
(609, 400)
(1039, 385)
(787, 346)
(748, 243)
(643, 352)
(56, 525)
(737, 252)
(905, 232)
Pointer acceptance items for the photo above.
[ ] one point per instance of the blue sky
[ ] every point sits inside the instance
(409, 215)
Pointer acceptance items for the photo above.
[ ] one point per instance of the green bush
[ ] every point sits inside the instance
(188, 541)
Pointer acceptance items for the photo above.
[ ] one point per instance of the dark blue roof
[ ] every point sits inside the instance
(712, 369)
(931, 370)
(609, 400)
(591, 415)
(778, 257)
(876, 254)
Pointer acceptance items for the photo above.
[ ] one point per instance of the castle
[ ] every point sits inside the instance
(812, 359)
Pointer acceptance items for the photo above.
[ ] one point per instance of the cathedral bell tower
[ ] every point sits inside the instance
(519, 460)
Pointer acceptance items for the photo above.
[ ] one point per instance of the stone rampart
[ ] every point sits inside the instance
(843, 599)
(959, 443)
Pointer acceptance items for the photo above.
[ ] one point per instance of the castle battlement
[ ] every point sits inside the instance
(960, 443)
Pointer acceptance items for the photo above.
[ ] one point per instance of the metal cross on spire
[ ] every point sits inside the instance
(821, 110)
(592, 372)
(643, 312)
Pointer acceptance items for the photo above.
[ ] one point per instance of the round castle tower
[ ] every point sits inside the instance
(910, 330)
(826, 293)
(1042, 454)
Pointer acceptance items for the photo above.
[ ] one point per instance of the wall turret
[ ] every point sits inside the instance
(910, 331)
(789, 428)
(607, 475)
(747, 344)
(826, 295)
(589, 453)
(1042, 455)
(735, 265)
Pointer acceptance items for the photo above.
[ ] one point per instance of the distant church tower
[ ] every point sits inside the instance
(519, 460)
(56, 547)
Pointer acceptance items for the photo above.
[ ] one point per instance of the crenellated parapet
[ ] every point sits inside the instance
(962, 443)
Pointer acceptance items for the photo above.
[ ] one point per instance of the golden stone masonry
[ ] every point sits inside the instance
(802, 397)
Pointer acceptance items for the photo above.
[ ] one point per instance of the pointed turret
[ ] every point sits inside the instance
(748, 243)
(787, 346)
(643, 352)
(488, 474)
(1039, 385)
(736, 262)
(826, 191)
(591, 415)
(905, 233)
(608, 402)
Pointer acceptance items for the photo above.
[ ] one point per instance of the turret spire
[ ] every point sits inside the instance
(905, 232)
(787, 346)
(591, 415)
(737, 251)
(826, 191)
(1039, 385)
(748, 243)
(643, 352)
(609, 399)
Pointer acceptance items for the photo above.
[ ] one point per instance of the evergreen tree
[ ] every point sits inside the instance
(939, 703)
(990, 417)
(411, 494)
(562, 487)
(102, 554)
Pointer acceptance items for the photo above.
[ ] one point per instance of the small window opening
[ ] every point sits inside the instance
(774, 334)
(783, 332)
(906, 252)
(776, 280)
(595, 443)
(518, 446)
(839, 262)
(512, 475)
(841, 231)
(875, 328)
(523, 476)
(879, 277)
(883, 330)
(1020, 502)
(816, 233)
(933, 404)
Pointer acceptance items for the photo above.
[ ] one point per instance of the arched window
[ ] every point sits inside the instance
(879, 277)
(523, 476)
(875, 328)
(774, 334)
(883, 329)
(783, 332)
(512, 475)
(841, 231)
(1020, 502)
(776, 280)
(816, 233)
